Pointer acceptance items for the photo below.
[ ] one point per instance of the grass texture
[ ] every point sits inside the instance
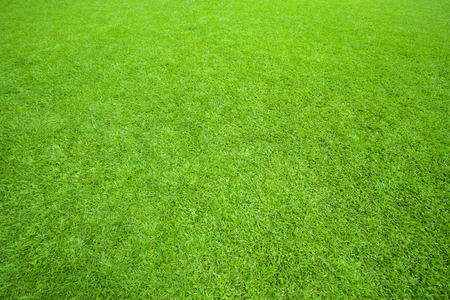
(172, 149)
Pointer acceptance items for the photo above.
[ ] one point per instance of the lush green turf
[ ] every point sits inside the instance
(254, 149)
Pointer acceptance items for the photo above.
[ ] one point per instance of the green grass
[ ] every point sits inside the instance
(224, 149)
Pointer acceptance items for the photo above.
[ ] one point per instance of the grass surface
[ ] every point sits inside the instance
(231, 149)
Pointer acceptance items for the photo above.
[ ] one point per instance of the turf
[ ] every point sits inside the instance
(224, 149)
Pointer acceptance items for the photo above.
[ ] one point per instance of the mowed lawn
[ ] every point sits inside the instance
(172, 149)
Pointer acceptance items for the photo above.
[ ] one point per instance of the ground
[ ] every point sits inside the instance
(224, 149)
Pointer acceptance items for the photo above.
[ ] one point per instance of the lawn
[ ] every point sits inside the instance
(172, 149)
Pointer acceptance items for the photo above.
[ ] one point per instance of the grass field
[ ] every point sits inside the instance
(172, 149)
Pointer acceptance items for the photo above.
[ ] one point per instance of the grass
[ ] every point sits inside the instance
(224, 149)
